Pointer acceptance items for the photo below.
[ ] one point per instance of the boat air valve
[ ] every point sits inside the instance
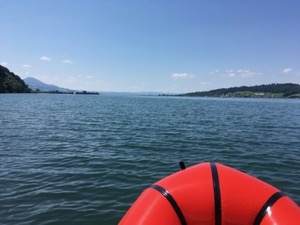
(182, 165)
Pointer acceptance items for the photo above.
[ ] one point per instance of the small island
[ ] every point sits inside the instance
(86, 93)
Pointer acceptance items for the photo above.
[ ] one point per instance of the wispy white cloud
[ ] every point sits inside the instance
(241, 73)
(230, 73)
(72, 78)
(287, 70)
(214, 72)
(67, 61)
(3, 63)
(182, 76)
(26, 66)
(89, 77)
(205, 83)
(45, 58)
(248, 73)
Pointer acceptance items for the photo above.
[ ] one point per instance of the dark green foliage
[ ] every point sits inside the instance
(292, 92)
(286, 90)
(11, 83)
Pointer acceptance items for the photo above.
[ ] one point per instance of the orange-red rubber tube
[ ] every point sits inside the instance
(212, 194)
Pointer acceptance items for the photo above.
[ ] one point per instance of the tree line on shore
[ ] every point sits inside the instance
(11, 83)
(287, 90)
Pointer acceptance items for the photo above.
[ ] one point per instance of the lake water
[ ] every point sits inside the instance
(81, 159)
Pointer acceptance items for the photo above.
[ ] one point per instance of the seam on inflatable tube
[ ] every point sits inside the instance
(217, 194)
(269, 203)
(172, 201)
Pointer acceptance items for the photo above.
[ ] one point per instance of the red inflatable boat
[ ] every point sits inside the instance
(212, 194)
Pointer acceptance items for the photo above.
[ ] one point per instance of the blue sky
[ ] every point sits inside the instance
(158, 45)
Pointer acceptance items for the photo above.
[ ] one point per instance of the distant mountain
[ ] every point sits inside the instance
(36, 84)
(11, 83)
(287, 90)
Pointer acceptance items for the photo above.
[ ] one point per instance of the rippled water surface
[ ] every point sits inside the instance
(71, 159)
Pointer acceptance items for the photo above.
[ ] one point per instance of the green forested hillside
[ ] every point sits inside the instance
(11, 83)
(287, 90)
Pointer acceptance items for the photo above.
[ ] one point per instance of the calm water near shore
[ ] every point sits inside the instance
(80, 159)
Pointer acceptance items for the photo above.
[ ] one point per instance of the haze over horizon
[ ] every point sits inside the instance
(163, 46)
